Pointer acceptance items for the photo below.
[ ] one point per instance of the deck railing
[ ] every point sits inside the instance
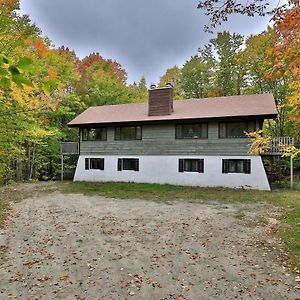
(278, 146)
(69, 148)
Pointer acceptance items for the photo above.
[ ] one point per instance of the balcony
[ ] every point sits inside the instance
(69, 148)
(278, 146)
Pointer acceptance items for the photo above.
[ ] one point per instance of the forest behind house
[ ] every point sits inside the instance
(43, 87)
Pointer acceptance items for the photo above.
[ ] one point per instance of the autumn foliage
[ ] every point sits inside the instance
(285, 58)
(43, 87)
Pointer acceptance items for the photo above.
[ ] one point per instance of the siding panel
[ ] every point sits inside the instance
(160, 140)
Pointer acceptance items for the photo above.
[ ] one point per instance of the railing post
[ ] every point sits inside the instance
(292, 173)
(62, 168)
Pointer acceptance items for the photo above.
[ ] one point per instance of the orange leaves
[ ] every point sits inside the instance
(285, 55)
(288, 55)
(41, 48)
(52, 73)
(95, 62)
(214, 94)
(8, 6)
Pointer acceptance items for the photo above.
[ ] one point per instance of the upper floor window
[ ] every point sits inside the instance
(128, 133)
(235, 129)
(192, 131)
(94, 134)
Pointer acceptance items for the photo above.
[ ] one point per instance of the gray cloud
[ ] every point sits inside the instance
(146, 37)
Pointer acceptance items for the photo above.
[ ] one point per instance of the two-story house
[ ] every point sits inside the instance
(197, 142)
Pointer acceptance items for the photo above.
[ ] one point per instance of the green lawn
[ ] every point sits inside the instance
(282, 197)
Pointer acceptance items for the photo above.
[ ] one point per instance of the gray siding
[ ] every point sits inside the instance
(160, 140)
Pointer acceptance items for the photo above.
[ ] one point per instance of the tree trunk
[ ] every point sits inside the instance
(28, 159)
(19, 167)
(32, 163)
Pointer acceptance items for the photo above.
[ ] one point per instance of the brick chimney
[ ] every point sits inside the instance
(160, 100)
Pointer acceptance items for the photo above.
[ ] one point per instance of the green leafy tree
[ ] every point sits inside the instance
(138, 92)
(174, 76)
(228, 76)
(196, 77)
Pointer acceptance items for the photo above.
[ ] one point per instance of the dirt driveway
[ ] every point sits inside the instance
(58, 246)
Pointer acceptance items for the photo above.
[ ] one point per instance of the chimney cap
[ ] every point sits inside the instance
(169, 85)
(152, 86)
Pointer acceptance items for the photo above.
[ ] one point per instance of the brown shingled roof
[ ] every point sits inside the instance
(220, 107)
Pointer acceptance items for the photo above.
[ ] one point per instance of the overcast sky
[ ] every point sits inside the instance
(146, 37)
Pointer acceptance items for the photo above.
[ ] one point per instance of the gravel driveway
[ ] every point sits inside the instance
(58, 246)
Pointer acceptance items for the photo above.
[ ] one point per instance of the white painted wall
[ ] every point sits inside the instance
(164, 169)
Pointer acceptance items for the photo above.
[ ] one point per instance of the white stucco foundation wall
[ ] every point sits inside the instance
(164, 169)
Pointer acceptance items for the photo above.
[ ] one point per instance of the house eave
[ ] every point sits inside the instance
(175, 120)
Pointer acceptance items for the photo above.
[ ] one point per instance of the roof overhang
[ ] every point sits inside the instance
(185, 120)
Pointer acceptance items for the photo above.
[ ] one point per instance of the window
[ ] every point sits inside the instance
(191, 131)
(94, 134)
(130, 164)
(236, 166)
(128, 133)
(94, 163)
(235, 129)
(191, 165)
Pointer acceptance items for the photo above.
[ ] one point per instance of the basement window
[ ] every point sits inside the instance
(94, 134)
(128, 164)
(236, 166)
(192, 131)
(128, 133)
(94, 163)
(191, 165)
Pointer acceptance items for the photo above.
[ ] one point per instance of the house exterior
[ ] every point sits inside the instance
(196, 142)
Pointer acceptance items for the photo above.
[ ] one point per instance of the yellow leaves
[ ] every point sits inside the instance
(259, 144)
(35, 134)
(290, 151)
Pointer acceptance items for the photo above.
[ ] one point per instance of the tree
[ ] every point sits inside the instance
(219, 10)
(284, 59)
(254, 61)
(196, 78)
(228, 77)
(138, 92)
(174, 76)
(102, 81)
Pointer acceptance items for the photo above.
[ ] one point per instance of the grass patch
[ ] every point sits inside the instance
(283, 197)
(165, 192)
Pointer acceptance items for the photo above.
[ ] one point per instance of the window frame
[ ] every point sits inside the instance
(103, 134)
(136, 133)
(182, 165)
(232, 122)
(246, 165)
(88, 163)
(177, 137)
(136, 164)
